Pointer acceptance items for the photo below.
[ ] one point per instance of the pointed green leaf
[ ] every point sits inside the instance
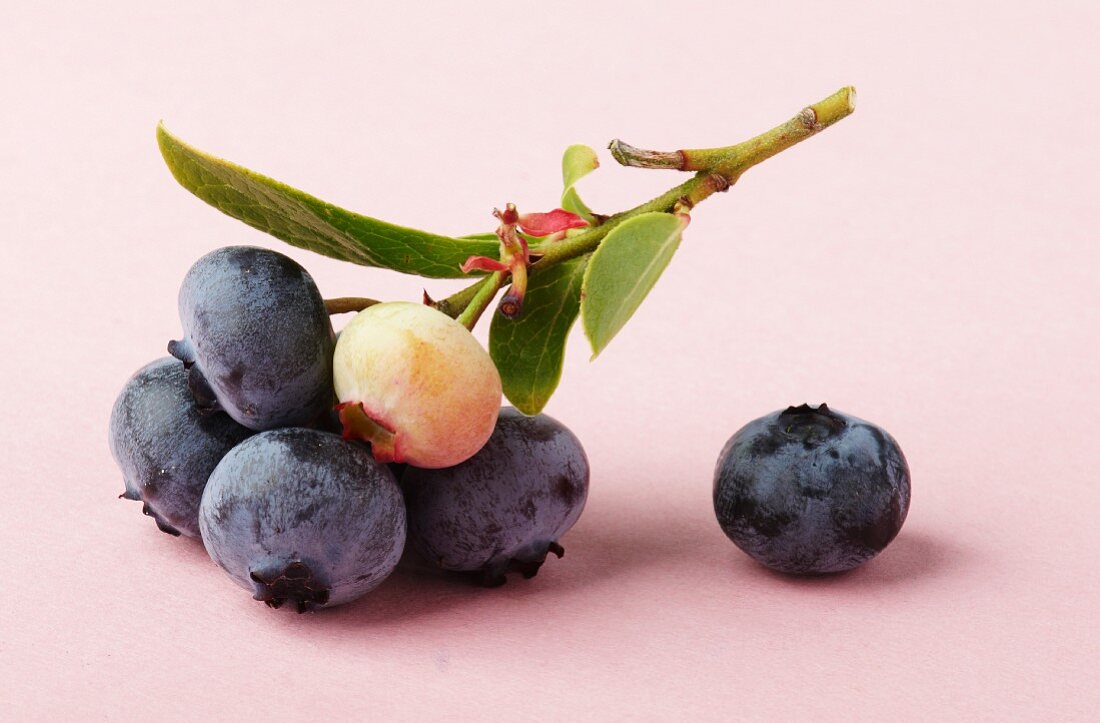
(310, 223)
(622, 271)
(529, 350)
(576, 163)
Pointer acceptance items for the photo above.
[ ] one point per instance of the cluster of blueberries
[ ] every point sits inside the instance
(238, 438)
(234, 439)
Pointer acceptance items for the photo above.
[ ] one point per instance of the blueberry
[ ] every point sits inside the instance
(809, 491)
(165, 448)
(504, 508)
(258, 342)
(301, 516)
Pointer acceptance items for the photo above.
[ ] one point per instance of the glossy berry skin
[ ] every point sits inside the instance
(809, 491)
(300, 516)
(258, 342)
(165, 448)
(416, 384)
(506, 507)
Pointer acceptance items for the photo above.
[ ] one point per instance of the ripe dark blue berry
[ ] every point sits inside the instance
(808, 491)
(300, 516)
(165, 448)
(506, 507)
(258, 342)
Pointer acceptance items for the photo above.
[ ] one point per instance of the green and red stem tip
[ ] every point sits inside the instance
(515, 254)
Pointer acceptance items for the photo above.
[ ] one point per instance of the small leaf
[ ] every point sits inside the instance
(530, 349)
(483, 263)
(553, 222)
(576, 163)
(622, 271)
(310, 223)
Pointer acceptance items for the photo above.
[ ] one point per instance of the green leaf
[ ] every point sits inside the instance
(310, 223)
(622, 271)
(529, 350)
(576, 163)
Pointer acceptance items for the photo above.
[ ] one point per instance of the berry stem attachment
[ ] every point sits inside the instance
(456, 303)
(358, 424)
(485, 291)
(347, 304)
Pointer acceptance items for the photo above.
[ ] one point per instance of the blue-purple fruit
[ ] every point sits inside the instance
(302, 517)
(505, 508)
(258, 342)
(165, 448)
(811, 490)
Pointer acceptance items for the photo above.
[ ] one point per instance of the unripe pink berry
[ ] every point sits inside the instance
(416, 384)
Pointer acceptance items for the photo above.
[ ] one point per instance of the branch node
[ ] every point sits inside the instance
(808, 118)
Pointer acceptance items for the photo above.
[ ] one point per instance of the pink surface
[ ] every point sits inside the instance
(929, 263)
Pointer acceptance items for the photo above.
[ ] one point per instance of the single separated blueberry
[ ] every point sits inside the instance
(165, 448)
(258, 342)
(504, 508)
(808, 491)
(301, 516)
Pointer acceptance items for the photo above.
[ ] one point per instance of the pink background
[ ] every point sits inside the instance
(929, 264)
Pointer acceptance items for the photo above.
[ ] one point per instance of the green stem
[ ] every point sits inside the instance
(742, 156)
(456, 303)
(717, 170)
(345, 304)
(485, 290)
